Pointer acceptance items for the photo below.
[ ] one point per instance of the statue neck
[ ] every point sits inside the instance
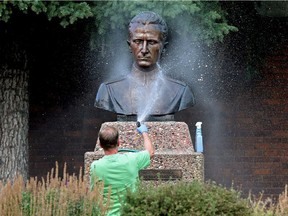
(145, 76)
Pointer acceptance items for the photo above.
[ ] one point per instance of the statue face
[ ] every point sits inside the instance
(146, 45)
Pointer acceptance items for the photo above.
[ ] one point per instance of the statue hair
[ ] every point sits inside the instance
(149, 17)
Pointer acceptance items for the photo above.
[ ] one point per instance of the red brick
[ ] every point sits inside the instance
(262, 172)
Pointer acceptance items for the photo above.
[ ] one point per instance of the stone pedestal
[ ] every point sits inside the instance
(174, 157)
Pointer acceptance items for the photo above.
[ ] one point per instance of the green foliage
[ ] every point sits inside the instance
(25, 204)
(193, 198)
(197, 20)
(264, 207)
(67, 11)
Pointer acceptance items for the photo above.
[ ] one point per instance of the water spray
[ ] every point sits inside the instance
(148, 103)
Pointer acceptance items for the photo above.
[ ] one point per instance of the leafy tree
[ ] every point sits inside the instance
(204, 21)
(67, 11)
(196, 20)
(14, 75)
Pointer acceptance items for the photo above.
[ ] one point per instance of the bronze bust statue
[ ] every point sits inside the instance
(146, 90)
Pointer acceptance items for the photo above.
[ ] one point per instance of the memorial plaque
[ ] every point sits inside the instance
(160, 174)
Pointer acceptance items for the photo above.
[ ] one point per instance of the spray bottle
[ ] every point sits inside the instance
(198, 138)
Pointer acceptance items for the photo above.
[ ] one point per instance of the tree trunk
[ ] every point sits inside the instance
(14, 115)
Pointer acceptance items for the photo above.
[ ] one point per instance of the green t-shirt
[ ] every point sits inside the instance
(120, 172)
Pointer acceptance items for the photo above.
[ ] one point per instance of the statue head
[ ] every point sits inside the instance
(147, 38)
(146, 91)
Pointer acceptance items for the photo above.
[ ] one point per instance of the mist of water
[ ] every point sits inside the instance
(183, 60)
(197, 65)
(147, 102)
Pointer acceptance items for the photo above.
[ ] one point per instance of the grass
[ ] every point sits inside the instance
(69, 195)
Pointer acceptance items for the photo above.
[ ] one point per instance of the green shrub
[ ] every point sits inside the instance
(194, 198)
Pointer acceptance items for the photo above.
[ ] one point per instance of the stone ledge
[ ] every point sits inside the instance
(164, 135)
(191, 164)
(173, 147)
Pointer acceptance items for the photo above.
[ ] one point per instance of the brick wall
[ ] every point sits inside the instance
(244, 127)
(250, 147)
(245, 137)
(62, 135)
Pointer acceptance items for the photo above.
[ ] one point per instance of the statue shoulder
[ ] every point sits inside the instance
(116, 80)
(176, 82)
